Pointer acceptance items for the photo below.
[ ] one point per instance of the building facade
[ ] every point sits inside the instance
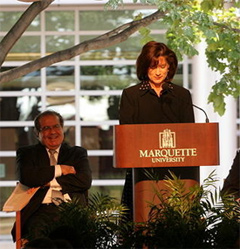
(86, 89)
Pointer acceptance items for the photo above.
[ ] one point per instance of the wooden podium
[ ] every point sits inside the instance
(163, 145)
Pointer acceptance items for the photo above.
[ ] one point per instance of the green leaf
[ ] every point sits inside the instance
(206, 5)
(145, 35)
(218, 103)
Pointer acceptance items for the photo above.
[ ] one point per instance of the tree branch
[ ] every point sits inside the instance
(113, 37)
(20, 27)
(226, 27)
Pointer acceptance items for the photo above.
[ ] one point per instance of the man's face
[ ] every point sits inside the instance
(51, 133)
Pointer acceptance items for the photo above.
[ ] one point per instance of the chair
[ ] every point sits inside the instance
(18, 230)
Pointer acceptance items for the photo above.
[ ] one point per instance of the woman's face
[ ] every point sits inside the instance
(157, 74)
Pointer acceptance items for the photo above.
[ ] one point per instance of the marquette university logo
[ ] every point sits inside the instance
(167, 139)
(168, 151)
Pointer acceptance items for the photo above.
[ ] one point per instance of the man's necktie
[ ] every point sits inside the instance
(56, 195)
(53, 160)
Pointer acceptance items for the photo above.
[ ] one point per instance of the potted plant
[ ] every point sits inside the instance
(94, 226)
(197, 218)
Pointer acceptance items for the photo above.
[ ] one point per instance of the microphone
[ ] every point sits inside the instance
(206, 116)
(169, 86)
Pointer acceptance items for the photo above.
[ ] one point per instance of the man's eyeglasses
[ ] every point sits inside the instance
(48, 128)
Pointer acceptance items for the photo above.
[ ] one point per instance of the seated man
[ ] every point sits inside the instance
(231, 184)
(57, 169)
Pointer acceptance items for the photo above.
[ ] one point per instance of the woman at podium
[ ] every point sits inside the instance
(155, 99)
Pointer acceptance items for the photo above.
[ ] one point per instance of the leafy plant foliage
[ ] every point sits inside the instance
(94, 226)
(197, 218)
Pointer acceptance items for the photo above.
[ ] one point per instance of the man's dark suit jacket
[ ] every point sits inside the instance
(231, 184)
(34, 170)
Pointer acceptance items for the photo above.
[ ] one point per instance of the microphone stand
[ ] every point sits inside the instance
(207, 119)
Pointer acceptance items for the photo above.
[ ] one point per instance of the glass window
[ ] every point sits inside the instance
(69, 135)
(126, 50)
(9, 138)
(8, 168)
(112, 77)
(93, 20)
(65, 105)
(27, 48)
(190, 76)
(158, 25)
(6, 104)
(14, 137)
(98, 108)
(60, 78)
(9, 18)
(113, 191)
(178, 78)
(4, 194)
(102, 168)
(58, 42)
(60, 21)
(97, 137)
(22, 108)
(6, 223)
(29, 82)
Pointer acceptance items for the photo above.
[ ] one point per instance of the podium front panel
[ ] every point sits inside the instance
(166, 145)
(145, 195)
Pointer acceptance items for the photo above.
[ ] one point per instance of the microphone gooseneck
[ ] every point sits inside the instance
(207, 119)
(167, 86)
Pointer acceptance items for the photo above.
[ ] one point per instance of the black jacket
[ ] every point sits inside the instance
(140, 105)
(34, 170)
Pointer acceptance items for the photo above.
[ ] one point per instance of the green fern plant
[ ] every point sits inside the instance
(94, 226)
(197, 218)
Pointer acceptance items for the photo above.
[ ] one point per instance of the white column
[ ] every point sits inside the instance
(203, 78)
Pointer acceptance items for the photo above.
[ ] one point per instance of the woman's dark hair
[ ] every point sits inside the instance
(149, 56)
(43, 114)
